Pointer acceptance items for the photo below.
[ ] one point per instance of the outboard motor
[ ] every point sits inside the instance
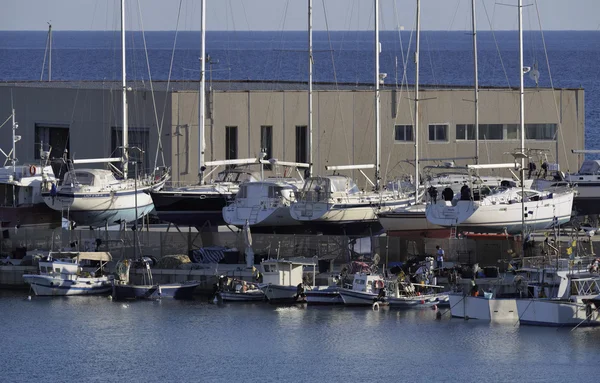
(433, 193)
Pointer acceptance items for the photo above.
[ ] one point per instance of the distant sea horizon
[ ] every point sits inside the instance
(565, 59)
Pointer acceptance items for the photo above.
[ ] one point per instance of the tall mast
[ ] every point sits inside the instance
(310, 87)
(476, 82)
(416, 132)
(522, 113)
(49, 52)
(202, 95)
(125, 158)
(377, 100)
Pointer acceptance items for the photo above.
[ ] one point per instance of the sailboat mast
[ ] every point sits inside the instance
(310, 86)
(202, 95)
(522, 112)
(377, 100)
(125, 158)
(474, 19)
(49, 52)
(416, 132)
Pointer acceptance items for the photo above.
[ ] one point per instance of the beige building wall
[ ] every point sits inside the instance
(343, 124)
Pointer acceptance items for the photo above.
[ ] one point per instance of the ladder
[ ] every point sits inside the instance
(254, 214)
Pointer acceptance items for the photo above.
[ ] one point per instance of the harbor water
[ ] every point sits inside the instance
(94, 339)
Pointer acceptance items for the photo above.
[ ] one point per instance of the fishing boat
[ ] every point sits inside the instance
(95, 197)
(238, 290)
(21, 187)
(283, 280)
(62, 274)
(366, 290)
(574, 304)
(122, 289)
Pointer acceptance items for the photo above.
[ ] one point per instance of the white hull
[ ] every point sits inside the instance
(555, 313)
(251, 296)
(481, 308)
(46, 285)
(418, 301)
(333, 213)
(100, 208)
(541, 215)
(282, 294)
(358, 298)
(279, 216)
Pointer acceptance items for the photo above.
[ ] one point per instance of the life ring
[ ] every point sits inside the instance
(32, 170)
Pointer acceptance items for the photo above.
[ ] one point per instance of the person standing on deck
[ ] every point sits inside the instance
(440, 257)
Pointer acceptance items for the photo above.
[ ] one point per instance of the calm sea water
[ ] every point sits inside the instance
(93, 339)
(446, 58)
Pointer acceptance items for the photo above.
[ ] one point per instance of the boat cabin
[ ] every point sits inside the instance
(590, 170)
(285, 272)
(267, 193)
(98, 178)
(323, 188)
(22, 185)
(237, 175)
(70, 263)
(367, 283)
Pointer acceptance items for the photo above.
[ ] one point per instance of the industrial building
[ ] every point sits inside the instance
(83, 120)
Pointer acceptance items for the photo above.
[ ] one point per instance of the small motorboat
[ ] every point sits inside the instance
(238, 290)
(123, 290)
(62, 274)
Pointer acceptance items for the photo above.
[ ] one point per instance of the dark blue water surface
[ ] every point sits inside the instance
(93, 339)
(569, 60)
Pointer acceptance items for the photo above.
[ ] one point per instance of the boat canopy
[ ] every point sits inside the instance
(331, 184)
(90, 177)
(101, 256)
(590, 168)
(237, 176)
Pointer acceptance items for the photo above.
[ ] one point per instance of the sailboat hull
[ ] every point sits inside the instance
(539, 215)
(101, 208)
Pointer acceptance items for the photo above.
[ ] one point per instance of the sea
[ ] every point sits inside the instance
(94, 339)
(564, 59)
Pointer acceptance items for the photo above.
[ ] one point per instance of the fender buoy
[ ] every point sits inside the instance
(375, 306)
(32, 170)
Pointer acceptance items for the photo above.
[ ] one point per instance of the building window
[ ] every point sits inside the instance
(491, 131)
(302, 144)
(138, 138)
(266, 143)
(438, 132)
(55, 137)
(513, 132)
(403, 133)
(540, 131)
(231, 142)
(465, 132)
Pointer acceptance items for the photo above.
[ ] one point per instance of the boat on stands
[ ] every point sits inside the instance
(195, 205)
(62, 274)
(122, 289)
(502, 209)
(95, 197)
(266, 204)
(21, 187)
(334, 204)
(283, 280)
(586, 181)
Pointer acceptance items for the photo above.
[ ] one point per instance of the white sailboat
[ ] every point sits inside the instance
(95, 197)
(509, 208)
(265, 203)
(21, 187)
(335, 203)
